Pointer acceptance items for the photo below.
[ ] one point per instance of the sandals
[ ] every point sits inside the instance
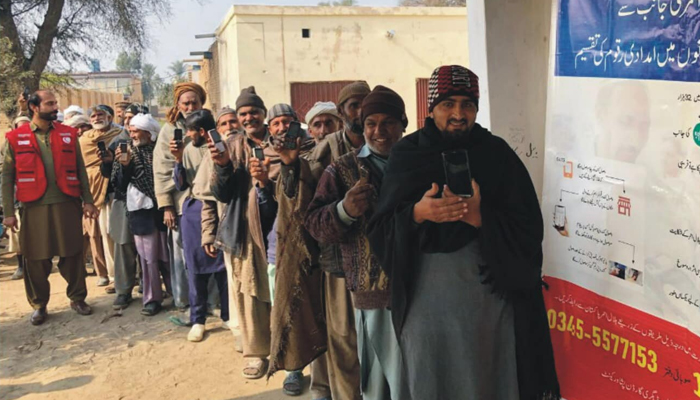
(255, 368)
(293, 384)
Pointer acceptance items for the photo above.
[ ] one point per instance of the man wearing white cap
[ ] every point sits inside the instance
(72, 111)
(323, 119)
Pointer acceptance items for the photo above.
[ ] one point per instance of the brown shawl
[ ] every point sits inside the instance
(88, 146)
(297, 320)
(250, 270)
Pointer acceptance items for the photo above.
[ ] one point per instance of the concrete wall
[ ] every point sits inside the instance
(263, 46)
(509, 45)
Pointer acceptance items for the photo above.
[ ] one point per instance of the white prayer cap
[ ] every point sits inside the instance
(147, 123)
(73, 110)
(322, 107)
(77, 120)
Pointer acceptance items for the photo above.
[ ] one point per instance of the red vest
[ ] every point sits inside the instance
(30, 175)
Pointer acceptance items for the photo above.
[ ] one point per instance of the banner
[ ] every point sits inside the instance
(621, 198)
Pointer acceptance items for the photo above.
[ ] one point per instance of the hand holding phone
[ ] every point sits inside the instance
(290, 138)
(216, 139)
(101, 149)
(457, 172)
(124, 152)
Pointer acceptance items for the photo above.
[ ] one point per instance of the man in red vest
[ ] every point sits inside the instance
(44, 169)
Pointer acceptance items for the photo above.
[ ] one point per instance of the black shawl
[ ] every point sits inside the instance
(510, 237)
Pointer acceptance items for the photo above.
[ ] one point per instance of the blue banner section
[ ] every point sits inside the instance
(633, 39)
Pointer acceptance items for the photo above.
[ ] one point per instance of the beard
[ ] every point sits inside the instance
(49, 116)
(355, 127)
(199, 141)
(100, 125)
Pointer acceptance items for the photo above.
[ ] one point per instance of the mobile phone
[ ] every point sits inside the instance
(25, 94)
(458, 175)
(559, 217)
(216, 139)
(259, 153)
(178, 135)
(102, 149)
(125, 149)
(290, 138)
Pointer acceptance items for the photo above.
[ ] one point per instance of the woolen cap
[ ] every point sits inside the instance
(279, 110)
(452, 80)
(383, 100)
(359, 88)
(248, 98)
(224, 111)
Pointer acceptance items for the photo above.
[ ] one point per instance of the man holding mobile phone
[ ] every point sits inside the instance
(335, 374)
(104, 130)
(188, 97)
(59, 196)
(239, 181)
(469, 268)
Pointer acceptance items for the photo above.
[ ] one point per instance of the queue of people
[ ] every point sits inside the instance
(346, 247)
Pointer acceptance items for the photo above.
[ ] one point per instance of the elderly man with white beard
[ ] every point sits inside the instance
(188, 97)
(103, 130)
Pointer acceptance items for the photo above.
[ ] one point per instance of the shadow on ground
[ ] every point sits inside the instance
(12, 392)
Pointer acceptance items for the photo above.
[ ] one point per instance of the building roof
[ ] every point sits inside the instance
(238, 10)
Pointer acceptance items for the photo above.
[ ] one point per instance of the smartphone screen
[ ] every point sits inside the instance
(216, 139)
(125, 149)
(178, 135)
(457, 173)
(290, 138)
(102, 149)
(259, 153)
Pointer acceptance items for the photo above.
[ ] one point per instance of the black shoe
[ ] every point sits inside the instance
(122, 301)
(38, 316)
(151, 309)
(19, 274)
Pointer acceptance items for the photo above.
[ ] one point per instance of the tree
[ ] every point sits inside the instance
(149, 82)
(129, 62)
(341, 3)
(178, 69)
(165, 94)
(433, 3)
(11, 76)
(67, 32)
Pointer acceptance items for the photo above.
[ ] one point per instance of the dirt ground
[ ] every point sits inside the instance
(106, 356)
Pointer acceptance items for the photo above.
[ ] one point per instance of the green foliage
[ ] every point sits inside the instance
(11, 76)
(165, 94)
(149, 82)
(178, 70)
(129, 62)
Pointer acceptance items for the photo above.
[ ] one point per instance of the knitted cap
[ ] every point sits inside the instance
(248, 98)
(321, 108)
(279, 110)
(224, 111)
(383, 100)
(452, 80)
(136, 108)
(359, 88)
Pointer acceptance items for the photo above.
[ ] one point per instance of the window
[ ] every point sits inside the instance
(306, 33)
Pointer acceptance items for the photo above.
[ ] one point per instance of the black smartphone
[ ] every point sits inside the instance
(290, 138)
(216, 139)
(178, 135)
(124, 147)
(102, 149)
(25, 94)
(259, 153)
(458, 176)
